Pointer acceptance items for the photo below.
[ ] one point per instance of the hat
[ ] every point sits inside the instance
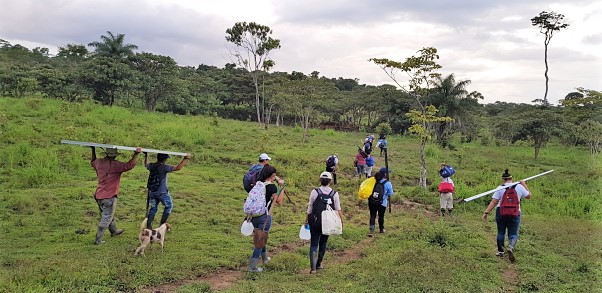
(385, 170)
(326, 175)
(111, 152)
(264, 156)
(162, 157)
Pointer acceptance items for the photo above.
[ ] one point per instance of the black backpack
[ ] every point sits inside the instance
(154, 180)
(378, 193)
(315, 218)
(330, 162)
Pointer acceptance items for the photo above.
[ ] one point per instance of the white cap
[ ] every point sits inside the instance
(264, 156)
(326, 175)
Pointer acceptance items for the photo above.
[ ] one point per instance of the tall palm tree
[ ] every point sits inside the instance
(448, 96)
(113, 46)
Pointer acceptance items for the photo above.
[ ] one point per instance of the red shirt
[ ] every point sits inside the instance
(109, 172)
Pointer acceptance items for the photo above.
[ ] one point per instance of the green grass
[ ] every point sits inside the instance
(48, 197)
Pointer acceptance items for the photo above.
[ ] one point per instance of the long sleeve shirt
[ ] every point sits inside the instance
(108, 172)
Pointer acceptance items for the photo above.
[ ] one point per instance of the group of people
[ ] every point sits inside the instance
(108, 173)
(109, 170)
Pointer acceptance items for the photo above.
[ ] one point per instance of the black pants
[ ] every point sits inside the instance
(377, 208)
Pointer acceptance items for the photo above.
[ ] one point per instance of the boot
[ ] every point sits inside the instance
(164, 218)
(443, 212)
(449, 212)
(264, 257)
(500, 248)
(113, 229)
(511, 247)
(253, 266)
(320, 258)
(99, 234)
(313, 261)
(371, 234)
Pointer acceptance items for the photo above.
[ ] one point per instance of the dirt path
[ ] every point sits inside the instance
(509, 271)
(224, 278)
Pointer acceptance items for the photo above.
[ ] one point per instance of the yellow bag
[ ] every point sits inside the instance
(366, 188)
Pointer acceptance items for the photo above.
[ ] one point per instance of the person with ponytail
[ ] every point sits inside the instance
(504, 222)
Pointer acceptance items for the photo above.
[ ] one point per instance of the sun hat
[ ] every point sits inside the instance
(326, 175)
(111, 152)
(264, 156)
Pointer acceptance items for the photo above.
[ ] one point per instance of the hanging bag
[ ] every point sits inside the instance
(331, 223)
(366, 188)
(260, 236)
(304, 232)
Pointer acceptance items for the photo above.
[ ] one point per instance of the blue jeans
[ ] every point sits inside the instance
(509, 224)
(154, 199)
(258, 224)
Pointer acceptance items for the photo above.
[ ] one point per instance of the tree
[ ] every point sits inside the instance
(451, 99)
(539, 125)
(548, 23)
(106, 78)
(253, 46)
(156, 77)
(421, 71)
(73, 51)
(113, 46)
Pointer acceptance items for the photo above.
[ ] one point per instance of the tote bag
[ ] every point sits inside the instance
(331, 223)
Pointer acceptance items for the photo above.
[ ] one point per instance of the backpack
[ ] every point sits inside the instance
(370, 161)
(315, 218)
(249, 179)
(255, 203)
(378, 193)
(445, 187)
(510, 204)
(154, 180)
(330, 162)
(447, 171)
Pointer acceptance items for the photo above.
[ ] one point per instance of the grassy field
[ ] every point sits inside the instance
(48, 217)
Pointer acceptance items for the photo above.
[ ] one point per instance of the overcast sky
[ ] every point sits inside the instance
(492, 43)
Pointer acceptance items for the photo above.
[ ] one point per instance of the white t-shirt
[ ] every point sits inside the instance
(521, 191)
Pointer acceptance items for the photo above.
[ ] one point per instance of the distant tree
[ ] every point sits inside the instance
(538, 125)
(107, 77)
(422, 72)
(253, 45)
(156, 77)
(113, 46)
(548, 23)
(590, 131)
(448, 95)
(73, 51)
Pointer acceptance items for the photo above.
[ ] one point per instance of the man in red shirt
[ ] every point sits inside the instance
(108, 172)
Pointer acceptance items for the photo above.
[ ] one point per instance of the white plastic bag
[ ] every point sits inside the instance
(247, 228)
(304, 232)
(331, 223)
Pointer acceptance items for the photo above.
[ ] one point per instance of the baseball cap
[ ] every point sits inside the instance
(326, 175)
(264, 156)
(162, 157)
(385, 170)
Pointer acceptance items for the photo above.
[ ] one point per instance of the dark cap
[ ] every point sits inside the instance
(385, 170)
(162, 157)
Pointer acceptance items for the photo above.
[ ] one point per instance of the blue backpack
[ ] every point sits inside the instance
(370, 161)
(249, 179)
(447, 171)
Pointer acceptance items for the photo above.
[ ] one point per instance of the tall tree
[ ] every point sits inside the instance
(253, 44)
(156, 77)
(548, 23)
(422, 72)
(113, 46)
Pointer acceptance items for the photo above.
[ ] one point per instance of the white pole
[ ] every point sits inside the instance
(119, 147)
(504, 187)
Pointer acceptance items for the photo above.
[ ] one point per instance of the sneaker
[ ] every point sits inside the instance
(499, 253)
(371, 234)
(511, 254)
(99, 242)
(382, 231)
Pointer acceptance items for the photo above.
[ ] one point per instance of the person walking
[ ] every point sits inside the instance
(360, 162)
(158, 191)
(377, 202)
(263, 221)
(332, 165)
(507, 212)
(446, 190)
(369, 165)
(382, 143)
(108, 173)
(319, 198)
(252, 175)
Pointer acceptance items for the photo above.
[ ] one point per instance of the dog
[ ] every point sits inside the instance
(148, 236)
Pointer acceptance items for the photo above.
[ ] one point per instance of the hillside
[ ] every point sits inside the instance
(48, 216)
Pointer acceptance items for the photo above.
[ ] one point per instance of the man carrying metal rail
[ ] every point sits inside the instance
(108, 172)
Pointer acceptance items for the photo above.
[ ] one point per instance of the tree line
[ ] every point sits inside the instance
(434, 107)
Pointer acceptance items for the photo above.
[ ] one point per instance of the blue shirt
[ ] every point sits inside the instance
(163, 169)
(388, 192)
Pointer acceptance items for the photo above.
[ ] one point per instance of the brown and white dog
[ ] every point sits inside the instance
(148, 236)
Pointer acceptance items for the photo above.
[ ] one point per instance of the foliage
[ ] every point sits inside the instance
(112, 46)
